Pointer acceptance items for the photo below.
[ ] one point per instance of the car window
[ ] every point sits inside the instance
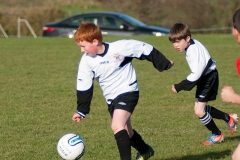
(110, 22)
(78, 20)
(132, 20)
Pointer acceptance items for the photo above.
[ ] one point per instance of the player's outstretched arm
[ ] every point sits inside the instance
(159, 61)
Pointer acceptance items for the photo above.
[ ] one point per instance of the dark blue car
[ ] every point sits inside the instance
(110, 23)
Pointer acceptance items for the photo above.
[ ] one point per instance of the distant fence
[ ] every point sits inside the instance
(3, 31)
(19, 20)
(226, 29)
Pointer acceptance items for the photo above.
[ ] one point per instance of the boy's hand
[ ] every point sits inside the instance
(173, 89)
(227, 94)
(76, 117)
(172, 63)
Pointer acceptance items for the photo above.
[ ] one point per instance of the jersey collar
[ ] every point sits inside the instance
(105, 51)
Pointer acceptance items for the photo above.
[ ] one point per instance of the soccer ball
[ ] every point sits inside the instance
(71, 146)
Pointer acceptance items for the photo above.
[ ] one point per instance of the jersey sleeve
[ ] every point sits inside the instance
(159, 61)
(197, 63)
(188, 84)
(142, 51)
(84, 101)
(85, 78)
(185, 85)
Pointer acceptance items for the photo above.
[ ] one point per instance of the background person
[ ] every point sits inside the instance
(228, 94)
(204, 76)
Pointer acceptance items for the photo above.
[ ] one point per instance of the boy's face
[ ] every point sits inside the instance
(89, 47)
(236, 34)
(181, 44)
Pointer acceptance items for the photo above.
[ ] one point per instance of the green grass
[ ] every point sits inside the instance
(38, 98)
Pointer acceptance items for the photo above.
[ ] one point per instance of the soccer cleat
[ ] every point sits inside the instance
(232, 124)
(145, 156)
(213, 139)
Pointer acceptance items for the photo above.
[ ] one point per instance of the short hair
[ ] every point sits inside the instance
(179, 31)
(88, 31)
(236, 20)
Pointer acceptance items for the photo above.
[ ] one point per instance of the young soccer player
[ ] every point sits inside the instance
(111, 65)
(204, 76)
(228, 94)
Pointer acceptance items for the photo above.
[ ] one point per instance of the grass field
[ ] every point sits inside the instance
(38, 98)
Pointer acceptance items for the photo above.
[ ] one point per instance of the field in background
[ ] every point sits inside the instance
(38, 98)
(216, 17)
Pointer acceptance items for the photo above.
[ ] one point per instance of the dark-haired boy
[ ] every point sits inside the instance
(203, 75)
(228, 94)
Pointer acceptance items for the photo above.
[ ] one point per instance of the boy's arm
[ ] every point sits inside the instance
(185, 85)
(160, 62)
(84, 87)
(84, 99)
(191, 81)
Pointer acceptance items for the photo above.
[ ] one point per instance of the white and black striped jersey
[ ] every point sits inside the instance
(114, 70)
(199, 62)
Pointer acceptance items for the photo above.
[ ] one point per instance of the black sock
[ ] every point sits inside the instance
(215, 113)
(209, 123)
(138, 143)
(124, 145)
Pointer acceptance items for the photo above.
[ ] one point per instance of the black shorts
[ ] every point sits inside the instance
(126, 101)
(207, 88)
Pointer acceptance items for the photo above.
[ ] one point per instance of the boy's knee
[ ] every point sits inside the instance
(199, 109)
(199, 113)
(116, 128)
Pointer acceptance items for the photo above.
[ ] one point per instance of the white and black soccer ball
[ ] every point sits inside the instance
(71, 146)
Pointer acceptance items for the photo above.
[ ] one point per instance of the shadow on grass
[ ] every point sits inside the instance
(210, 155)
(233, 138)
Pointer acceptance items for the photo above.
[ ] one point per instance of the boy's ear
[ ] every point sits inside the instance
(234, 31)
(188, 39)
(95, 41)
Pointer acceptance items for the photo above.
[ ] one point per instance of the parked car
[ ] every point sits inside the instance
(110, 23)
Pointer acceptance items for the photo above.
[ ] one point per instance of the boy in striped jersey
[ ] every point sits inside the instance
(204, 76)
(111, 65)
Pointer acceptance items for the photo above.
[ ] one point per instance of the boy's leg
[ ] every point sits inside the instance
(124, 145)
(119, 120)
(144, 151)
(120, 110)
(207, 120)
(230, 119)
(138, 143)
(205, 117)
(215, 113)
(136, 140)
